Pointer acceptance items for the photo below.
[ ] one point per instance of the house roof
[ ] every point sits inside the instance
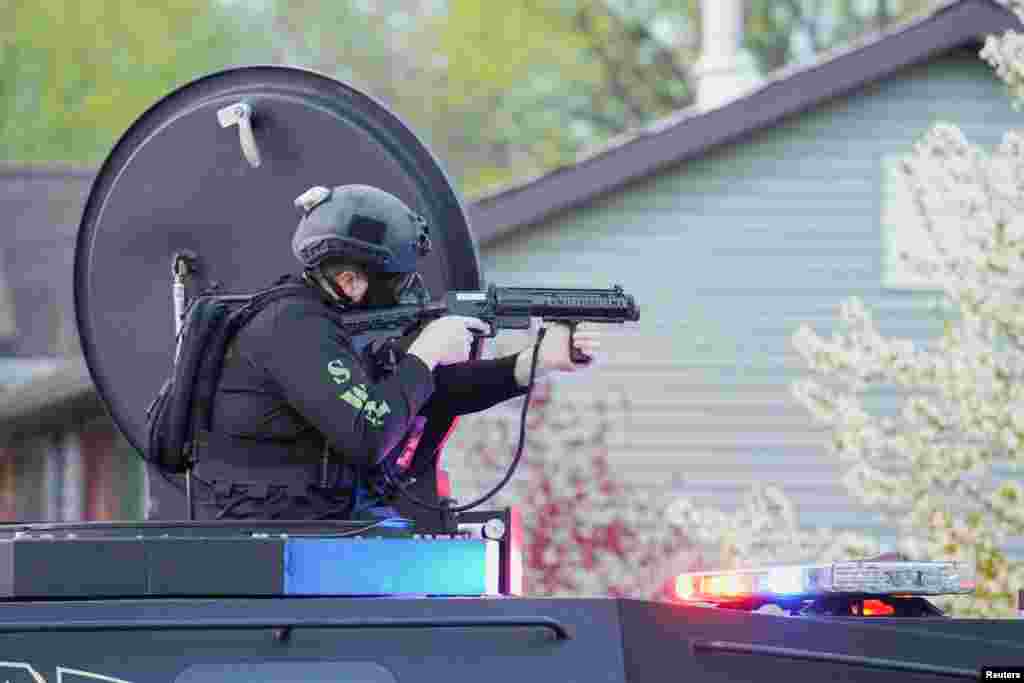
(53, 400)
(37, 258)
(692, 132)
(66, 394)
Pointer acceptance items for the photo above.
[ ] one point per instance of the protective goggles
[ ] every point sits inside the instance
(403, 288)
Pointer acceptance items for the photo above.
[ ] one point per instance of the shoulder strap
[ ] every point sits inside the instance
(181, 412)
(212, 363)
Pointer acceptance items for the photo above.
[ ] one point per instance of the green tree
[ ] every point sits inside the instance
(543, 79)
(499, 95)
(502, 92)
(74, 75)
(385, 49)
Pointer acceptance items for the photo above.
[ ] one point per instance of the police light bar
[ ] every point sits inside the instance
(807, 582)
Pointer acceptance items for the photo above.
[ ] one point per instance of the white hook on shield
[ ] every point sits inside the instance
(240, 114)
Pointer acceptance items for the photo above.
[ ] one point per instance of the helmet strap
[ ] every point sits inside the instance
(317, 277)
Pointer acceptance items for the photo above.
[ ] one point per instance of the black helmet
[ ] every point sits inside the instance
(359, 225)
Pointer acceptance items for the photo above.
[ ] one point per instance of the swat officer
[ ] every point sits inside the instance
(303, 420)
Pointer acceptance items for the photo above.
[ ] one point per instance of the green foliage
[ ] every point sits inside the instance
(546, 78)
(543, 78)
(488, 55)
(74, 75)
(500, 91)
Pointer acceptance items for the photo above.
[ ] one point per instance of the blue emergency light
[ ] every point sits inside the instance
(391, 566)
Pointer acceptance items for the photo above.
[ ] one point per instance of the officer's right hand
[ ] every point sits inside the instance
(447, 340)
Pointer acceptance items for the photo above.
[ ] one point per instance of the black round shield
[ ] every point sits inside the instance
(186, 177)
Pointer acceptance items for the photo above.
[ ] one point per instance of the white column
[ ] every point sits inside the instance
(74, 479)
(53, 477)
(725, 70)
(64, 475)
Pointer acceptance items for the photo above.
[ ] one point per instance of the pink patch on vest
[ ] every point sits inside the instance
(412, 440)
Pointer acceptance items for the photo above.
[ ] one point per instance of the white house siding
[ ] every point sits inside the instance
(727, 255)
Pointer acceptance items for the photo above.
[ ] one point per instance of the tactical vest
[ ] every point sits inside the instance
(242, 477)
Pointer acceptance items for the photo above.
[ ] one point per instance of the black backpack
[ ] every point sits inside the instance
(182, 411)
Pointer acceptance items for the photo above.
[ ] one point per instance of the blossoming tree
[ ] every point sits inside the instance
(765, 530)
(590, 532)
(943, 464)
(587, 531)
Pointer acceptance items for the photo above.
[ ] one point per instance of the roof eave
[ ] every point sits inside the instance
(53, 402)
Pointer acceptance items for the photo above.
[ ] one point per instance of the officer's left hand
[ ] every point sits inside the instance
(554, 349)
(553, 355)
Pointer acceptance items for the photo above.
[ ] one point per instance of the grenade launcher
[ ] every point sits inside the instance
(504, 308)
